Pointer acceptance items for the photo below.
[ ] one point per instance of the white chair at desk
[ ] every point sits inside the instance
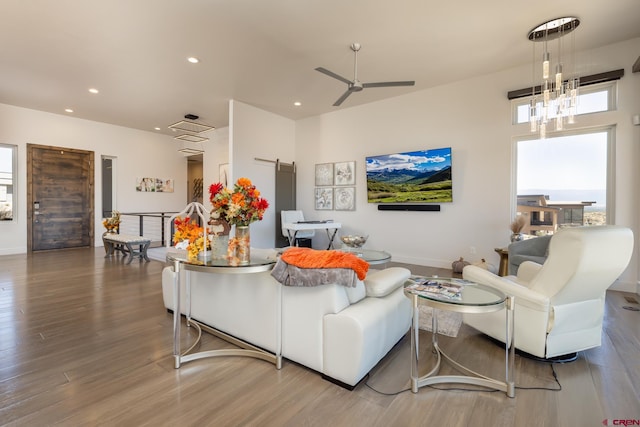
(292, 217)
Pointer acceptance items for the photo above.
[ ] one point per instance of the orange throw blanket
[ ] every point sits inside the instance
(311, 258)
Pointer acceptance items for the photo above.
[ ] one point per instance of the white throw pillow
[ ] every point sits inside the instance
(382, 283)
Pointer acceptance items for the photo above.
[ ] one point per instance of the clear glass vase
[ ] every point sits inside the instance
(239, 246)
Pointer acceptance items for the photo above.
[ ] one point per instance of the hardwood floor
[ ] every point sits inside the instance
(86, 340)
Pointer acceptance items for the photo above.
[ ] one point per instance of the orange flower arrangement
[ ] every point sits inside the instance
(242, 206)
(112, 223)
(189, 231)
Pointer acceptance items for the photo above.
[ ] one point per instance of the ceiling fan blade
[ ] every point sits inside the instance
(332, 74)
(388, 84)
(342, 98)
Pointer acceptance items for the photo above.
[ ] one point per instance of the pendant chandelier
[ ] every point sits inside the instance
(555, 100)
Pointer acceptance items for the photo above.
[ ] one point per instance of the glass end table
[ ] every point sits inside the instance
(182, 262)
(462, 296)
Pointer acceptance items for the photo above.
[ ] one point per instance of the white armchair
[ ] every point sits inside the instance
(559, 306)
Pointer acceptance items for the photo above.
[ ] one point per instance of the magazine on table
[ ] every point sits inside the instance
(430, 286)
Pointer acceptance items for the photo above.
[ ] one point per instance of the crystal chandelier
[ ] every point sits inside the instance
(554, 102)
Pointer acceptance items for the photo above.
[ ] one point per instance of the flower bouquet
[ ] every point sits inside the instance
(190, 236)
(240, 207)
(112, 224)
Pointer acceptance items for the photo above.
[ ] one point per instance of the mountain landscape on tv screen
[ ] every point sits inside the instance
(414, 177)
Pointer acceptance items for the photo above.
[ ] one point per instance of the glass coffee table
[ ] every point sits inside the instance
(369, 255)
(460, 296)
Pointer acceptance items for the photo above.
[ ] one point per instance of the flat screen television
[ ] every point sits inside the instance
(411, 177)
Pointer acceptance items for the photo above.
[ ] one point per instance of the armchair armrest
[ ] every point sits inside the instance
(527, 271)
(523, 295)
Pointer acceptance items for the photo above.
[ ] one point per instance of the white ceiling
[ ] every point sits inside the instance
(263, 52)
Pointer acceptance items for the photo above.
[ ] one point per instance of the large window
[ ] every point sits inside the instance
(8, 155)
(568, 177)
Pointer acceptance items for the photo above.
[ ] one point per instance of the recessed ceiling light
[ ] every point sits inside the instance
(297, 103)
(93, 90)
(193, 59)
(68, 110)
(157, 128)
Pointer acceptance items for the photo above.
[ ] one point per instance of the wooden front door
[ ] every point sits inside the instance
(59, 198)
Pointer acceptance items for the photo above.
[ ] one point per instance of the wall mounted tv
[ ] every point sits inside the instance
(412, 177)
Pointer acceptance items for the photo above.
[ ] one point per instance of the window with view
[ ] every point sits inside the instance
(7, 181)
(564, 180)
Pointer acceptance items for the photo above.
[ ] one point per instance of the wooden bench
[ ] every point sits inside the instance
(125, 243)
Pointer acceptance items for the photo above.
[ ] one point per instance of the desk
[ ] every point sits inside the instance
(475, 298)
(331, 227)
(256, 265)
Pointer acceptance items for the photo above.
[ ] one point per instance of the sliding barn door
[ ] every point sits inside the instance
(285, 197)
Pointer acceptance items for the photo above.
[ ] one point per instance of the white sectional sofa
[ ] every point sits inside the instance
(339, 332)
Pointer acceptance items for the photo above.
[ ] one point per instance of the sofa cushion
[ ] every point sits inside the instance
(382, 283)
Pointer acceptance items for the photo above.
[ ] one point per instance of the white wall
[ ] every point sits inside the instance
(255, 133)
(216, 153)
(138, 154)
(473, 117)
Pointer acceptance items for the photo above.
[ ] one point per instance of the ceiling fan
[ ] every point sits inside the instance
(356, 85)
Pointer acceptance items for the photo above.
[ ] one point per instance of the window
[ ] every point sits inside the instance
(8, 156)
(592, 99)
(566, 176)
(567, 179)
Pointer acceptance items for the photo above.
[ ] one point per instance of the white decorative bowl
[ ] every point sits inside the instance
(354, 241)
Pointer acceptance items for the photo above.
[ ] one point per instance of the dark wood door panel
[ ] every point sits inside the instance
(61, 198)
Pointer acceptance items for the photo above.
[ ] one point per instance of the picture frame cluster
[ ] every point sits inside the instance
(335, 186)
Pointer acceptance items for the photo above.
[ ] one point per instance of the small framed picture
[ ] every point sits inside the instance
(324, 174)
(324, 198)
(344, 173)
(344, 198)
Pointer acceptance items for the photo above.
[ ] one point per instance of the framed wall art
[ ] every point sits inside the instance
(344, 198)
(154, 185)
(324, 198)
(324, 174)
(344, 173)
